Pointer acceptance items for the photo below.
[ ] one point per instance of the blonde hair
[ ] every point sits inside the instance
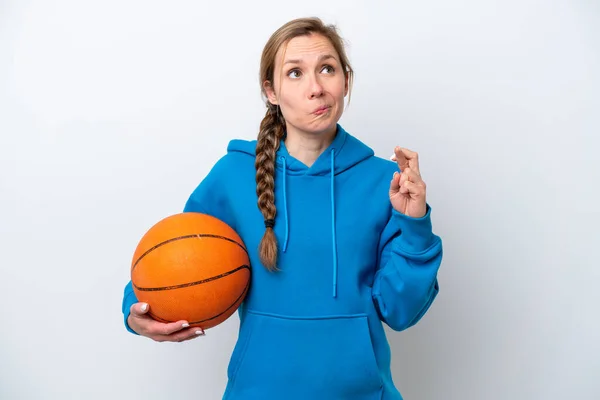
(272, 127)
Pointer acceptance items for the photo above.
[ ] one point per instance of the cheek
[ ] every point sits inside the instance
(291, 101)
(339, 88)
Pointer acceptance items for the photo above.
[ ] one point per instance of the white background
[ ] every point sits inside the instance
(111, 112)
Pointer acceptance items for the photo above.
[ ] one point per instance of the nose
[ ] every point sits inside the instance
(315, 88)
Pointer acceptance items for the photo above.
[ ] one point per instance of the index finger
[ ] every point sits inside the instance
(169, 328)
(406, 158)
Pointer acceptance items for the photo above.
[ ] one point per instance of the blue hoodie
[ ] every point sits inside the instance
(347, 261)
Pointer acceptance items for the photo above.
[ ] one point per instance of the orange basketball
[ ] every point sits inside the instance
(191, 266)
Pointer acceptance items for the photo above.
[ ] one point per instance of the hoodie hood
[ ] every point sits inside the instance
(346, 150)
(342, 154)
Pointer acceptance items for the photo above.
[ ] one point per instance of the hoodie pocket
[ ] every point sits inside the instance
(278, 357)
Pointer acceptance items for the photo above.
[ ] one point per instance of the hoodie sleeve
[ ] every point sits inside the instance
(208, 198)
(405, 283)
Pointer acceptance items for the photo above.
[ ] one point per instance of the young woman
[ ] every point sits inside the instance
(339, 240)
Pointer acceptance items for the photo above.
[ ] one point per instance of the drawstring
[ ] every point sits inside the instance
(333, 235)
(335, 261)
(287, 230)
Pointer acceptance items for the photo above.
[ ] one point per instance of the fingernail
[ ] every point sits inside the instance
(199, 332)
(144, 307)
(185, 325)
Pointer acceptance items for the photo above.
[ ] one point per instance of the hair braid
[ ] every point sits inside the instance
(271, 132)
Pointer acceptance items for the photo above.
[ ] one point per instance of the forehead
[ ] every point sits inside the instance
(307, 48)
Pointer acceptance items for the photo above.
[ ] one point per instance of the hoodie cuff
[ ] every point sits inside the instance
(128, 301)
(416, 233)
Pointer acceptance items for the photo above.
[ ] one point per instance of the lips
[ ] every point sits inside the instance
(321, 109)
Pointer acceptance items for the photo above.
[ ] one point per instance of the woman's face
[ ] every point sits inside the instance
(310, 85)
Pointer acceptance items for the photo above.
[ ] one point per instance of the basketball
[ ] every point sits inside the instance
(191, 266)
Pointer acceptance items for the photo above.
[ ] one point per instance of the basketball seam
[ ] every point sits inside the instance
(191, 236)
(228, 308)
(244, 292)
(188, 284)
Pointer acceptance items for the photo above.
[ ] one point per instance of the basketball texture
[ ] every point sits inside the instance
(191, 266)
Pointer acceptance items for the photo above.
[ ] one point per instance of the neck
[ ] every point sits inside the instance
(307, 147)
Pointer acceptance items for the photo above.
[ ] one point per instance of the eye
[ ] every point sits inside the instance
(292, 72)
(331, 69)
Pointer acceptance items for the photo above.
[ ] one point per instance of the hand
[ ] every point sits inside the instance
(407, 189)
(147, 326)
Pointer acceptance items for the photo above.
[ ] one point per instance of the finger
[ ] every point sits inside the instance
(170, 328)
(187, 334)
(409, 176)
(409, 154)
(139, 308)
(403, 180)
(194, 333)
(406, 158)
(414, 189)
(395, 183)
(400, 158)
(182, 336)
(412, 175)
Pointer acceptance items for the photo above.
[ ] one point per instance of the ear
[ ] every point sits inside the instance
(346, 85)
(270, 93)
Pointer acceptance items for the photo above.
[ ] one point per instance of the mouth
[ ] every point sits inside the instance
(321, 110)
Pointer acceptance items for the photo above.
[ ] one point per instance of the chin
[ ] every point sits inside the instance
(321, 129)
(322, 126)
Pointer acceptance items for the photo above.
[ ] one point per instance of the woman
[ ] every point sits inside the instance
(340, 240)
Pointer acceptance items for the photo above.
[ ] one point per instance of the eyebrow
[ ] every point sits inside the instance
(321, 58)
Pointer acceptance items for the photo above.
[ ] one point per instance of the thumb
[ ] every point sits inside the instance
(139, 308)
(395, 184)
